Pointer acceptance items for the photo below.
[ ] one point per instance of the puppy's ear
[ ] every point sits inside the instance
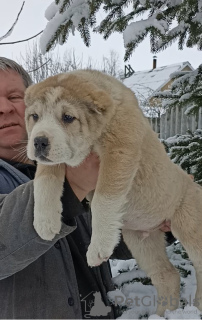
(99, 101)
(28, 98)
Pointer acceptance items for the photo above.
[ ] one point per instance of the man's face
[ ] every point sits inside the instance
(12, 109)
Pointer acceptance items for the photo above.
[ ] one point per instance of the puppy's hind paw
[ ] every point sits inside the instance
(96, 257)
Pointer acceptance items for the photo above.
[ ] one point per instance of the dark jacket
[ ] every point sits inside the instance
(38, 278)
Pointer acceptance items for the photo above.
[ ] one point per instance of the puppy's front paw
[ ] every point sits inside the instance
(47, 223)
(46, 229)
(96, 255)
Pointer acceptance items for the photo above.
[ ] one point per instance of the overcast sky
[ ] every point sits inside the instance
(32, 21)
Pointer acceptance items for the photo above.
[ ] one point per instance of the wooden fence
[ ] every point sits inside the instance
(175, 121)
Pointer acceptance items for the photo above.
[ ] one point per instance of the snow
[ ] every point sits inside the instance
(117, 265)
(174, 3)
(118, 280)
(140, 300)
(143, 2)
(136, 29)
(116, 1)
(184, 77)
(7, 33)
(185, 96)
(178, 29)
(77, 10)
(51, 11)
(189, 109)
(198, 17)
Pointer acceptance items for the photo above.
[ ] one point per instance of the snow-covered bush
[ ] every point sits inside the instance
(137, 298)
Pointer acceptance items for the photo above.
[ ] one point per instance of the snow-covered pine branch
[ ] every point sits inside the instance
(166, 21)
(64, 16)
(185, 91)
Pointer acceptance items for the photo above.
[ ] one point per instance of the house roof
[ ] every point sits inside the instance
(144, 83)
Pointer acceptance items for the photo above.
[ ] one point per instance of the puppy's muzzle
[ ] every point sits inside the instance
(42, 146)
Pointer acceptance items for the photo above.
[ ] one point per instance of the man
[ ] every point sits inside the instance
(43, 279)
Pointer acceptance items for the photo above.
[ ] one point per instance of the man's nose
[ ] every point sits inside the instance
(5, 106)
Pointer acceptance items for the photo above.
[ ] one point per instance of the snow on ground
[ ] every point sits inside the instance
(138, 298)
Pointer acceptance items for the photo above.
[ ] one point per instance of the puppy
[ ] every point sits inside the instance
(68, 116)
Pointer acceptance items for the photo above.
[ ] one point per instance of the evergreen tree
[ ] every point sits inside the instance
(185, 91)
(186, 151)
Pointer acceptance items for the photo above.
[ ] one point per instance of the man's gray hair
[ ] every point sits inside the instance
(6, 64)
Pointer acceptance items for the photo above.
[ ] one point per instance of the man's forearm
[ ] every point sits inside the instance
(19, 241)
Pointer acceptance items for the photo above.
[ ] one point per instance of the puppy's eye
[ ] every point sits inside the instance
(34, 116)
(66, 118)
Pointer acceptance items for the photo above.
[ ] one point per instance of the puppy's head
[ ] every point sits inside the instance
(65, 116)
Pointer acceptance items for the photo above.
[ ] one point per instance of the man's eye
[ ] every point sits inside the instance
(15, 97)
(66, 118)
(34, 116)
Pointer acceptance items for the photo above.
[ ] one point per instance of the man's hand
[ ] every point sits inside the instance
(165, 226)
(83, 178)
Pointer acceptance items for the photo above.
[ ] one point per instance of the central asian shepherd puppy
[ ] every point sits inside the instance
(72, 114)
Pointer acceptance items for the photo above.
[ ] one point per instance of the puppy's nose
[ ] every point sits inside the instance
(41, 143)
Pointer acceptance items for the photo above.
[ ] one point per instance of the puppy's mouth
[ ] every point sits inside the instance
(43, 159)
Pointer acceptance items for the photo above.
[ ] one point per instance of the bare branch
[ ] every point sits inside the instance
(16, 20)
(3, 43)
(39, 66)
(43, 66)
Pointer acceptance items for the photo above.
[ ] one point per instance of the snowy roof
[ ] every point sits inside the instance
(144, 83)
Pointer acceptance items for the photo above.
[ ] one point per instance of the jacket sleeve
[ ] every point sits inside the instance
(20, 245)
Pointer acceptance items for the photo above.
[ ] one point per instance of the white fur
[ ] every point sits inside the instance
(47, 213)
